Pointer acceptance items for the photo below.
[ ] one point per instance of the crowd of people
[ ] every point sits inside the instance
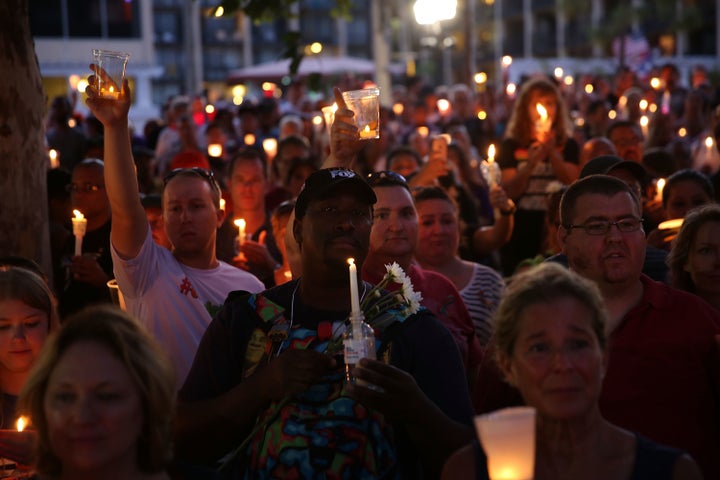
(562, 246)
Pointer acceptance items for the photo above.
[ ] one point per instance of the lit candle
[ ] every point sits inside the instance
(659, 186)
(367, 132)
(222, 204)
(544, 123)
(492, 166)
(21, 423)
(215, 150)
(79, 223)
(443, 106)
(240, 223)
(354, 298)
(54, 158)
(249, 139)
(510, 90)
(423, 131)
(270, 147)
(398, 108)
(109, 92)
(644, 122)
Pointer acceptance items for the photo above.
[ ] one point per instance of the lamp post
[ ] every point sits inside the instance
(431, 13)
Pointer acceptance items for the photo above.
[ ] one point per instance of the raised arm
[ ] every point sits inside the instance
(344, 136)
(129, 223)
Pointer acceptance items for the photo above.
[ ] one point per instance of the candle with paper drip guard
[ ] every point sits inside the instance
(79, 223)
(544, 123)
(492, 167)
(359, 339)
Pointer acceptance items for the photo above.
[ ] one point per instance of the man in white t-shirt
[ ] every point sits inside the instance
(173, 293)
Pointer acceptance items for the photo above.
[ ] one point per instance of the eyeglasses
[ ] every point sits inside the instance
(85, 187)
(206, 175)
(627, 225)
(386, 178)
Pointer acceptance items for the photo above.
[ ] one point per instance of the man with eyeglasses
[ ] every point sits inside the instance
(81, 280)
(173, 293)
(663, 375)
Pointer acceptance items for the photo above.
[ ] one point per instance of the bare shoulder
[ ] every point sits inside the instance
(686, 469)
(461, 464)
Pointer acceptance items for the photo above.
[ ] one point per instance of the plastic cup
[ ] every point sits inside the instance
(366, 106)
(508, 438)
(110, 84)
(115, 294)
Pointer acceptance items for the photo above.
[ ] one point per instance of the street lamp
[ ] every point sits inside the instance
(431, 13)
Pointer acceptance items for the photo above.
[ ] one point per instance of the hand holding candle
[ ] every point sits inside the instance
(544, 123)
(79, 223)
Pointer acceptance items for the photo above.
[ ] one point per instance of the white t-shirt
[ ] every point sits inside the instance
(176, 302)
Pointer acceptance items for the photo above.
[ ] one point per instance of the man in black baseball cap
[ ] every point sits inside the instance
(325, 182)
(631, 173)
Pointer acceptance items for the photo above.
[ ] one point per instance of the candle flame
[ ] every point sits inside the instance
(249, 139)
(709, 142)
(21, 423)
(78, 214)
(423, 131)
(240, 222)
(643, 104)
(541, 111)
(351, 261)
(491, 153)
(222, 204)
(398, 108)
(443, 105)
(367, 129)
(215, 150)
(644, 121)
(111, 89)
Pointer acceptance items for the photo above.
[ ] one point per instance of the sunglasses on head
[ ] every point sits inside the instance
(207, 175)
(386, 178)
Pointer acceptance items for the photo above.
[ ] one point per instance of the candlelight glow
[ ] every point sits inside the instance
(209, 109)
(443, 105)
(317, 120)
(215, 150)
(612, 114)
(21, 423)
(644, 121)
(219, 11)
(270, 147)
(54, 158)
(622, 101)
(682, 132)
(480, 77)
(659, 186)
(541, 111)
(709, 142)
(652, 108)
(511, 89)
(655, 83)
(589, 88)
(82, 85)
(558, 72)
(643, 104)
(491, 153)
(398, 108)
(222, 204)
(240, 223)
(568, 80)
(673, 224)
(482, 115)
(73, 80)
(316, 47)
(507, 61)
(423, 131)
(78, 214)
(351, 261)
(249, 139)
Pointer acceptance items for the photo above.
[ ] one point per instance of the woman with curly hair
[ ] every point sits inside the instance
(537, 149)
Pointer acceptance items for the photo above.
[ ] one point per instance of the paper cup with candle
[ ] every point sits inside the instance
(508, 438)
(109, 84)
(366, 106)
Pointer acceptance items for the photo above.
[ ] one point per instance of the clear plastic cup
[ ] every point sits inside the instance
(109, 85)
(366, 106)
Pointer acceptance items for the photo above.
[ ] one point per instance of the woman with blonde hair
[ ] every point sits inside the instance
(694, 259)
(101, 398)
(537, 149)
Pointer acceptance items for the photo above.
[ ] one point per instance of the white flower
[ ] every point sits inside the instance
(413, 300)
(395, 273)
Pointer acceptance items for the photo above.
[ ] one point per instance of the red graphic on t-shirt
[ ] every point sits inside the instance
(186, 287)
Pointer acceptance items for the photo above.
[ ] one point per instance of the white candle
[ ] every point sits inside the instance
(644, 122)
(492, 180)
(79, 223)
(222, 204)
(215, 150)
(54, 158)
(240, 223)
(354, 298)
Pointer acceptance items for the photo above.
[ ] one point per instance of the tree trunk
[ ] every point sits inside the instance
(23, 160)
